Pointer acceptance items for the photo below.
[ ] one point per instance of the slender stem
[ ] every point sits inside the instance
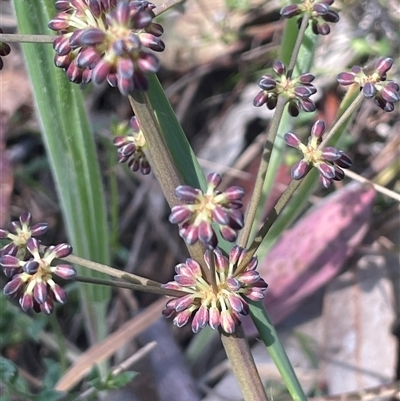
(166, 6)
(262, 171)
(110, 271)
(20, 38)
(299, 41)
(130, 286)
(239, 354)
(343, 118)
(162, 162)
(272, 132)
(269, 221)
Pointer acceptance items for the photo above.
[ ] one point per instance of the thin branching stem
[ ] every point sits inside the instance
(19, 38)
(130, 286)
(343, 118)
(269, 144)
(211, 257)
(239, 354)
(111, 271)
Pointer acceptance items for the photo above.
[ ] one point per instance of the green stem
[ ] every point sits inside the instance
(343, 119)
(270, 337)
(262, 170)
(110, 271)
(130, 286)
(239, 354)
(297, 46)
(162, 162)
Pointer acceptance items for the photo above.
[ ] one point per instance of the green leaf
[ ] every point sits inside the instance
(72, 155)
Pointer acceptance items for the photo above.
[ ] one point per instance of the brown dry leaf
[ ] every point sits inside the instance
(109, 346)
(360, 350)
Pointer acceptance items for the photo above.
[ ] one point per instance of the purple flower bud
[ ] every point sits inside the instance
(148, 62)
(75, 38)
(182, 318)
(9, 262)
(39, 229)
(293, 108)
(62, 61)
(58, 294)
(292, 139)
(101, 71)
(61, 45)
(325, 169)
(62, 5)
(318, 129)
(74, 73)
(369, 90)
(324, 181)
(344, 161)
(141, 20)
(331, 16)
(279, 68)
(234, 193)
(25, 218)
(40, 292)
(3, 233)
(92, 36)
(207, 235)
(228, 233)
(33, 245)
(339, 174)
(304, 91)
(31, 267)
(290, 11)
(322, 29)
(331, 154)
(12, 288)
(184, 281)
(214, 317)
(214, 179)
(200, 319)
(307, 105)
(189, 234)
(306, 78)
(87, 58)
(384, 105)
(60, 22)
(26, 302)
(227, 322)
(300, 170)
(187, 193)
(236, 219)
(383, 65)
(95, 7)
(47, 306)
(267, 83)
(236, 302)
(320, 8)
(179, 214)
(66, 272)
(62, 250)
(152, 42)
(220, 215)
(346, 78)
(260, 99)
(390, 92)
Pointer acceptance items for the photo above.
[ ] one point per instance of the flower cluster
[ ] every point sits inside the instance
(19, 233)
(202, 209)
(374, 85)
(297, 91)
(319, 13)
(30, 273)
(329, 161)
(131, 146)
(107, 40)
(219, 306)
(4, 51)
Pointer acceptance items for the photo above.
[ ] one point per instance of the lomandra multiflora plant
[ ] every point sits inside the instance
(116, 41)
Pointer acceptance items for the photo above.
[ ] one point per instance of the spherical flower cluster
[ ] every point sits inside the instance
(205, 208)
(107, 40)
(319, 13)
(4, 51)
(19, 233)
(221, 306)
(374, 85)
(329, 161)
(297, 91)
(131, 146)
(32, 281)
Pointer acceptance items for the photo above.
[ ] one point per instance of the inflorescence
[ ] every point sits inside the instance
(329, 161)
(107, 40)
(131, 146)
(32, 274)
(319, 12)
(297, 91)
(202, 209)
(222, 307)
(374, 85)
